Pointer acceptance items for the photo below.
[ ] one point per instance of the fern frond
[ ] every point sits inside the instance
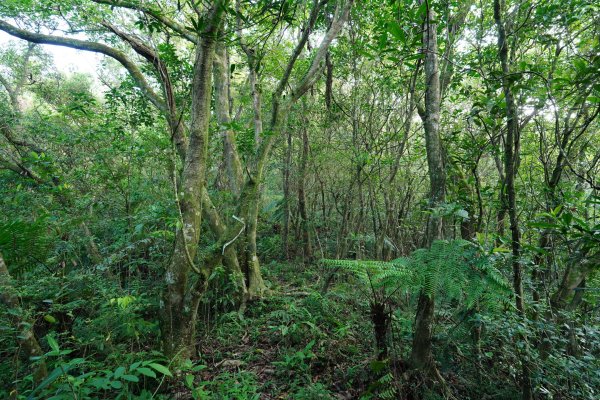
(24, 244)
(454, 269)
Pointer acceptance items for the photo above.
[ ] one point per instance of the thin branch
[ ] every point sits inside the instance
(171, 24)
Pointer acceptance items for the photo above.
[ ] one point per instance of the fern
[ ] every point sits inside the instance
(454, 269)
(381, 278)
(23, 244)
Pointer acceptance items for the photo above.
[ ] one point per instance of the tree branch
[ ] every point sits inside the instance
(318, 63)
(171, 24)
(173, 117)
(314, 12)
(94, 47)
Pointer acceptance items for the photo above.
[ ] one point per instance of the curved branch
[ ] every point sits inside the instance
(314, 12)
(318, 63)
(173, 25)
(94, 47)
(10, 90)
(172, 115)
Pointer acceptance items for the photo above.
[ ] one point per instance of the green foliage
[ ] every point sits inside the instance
(297, 362)
(24, 244)
(222, 293)
(456, 269)
(376, 277)
(241, 385)
(88, 215)
(84, 379)
(312, 391)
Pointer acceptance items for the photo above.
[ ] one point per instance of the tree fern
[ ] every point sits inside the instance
(23, 244)
(453, 269)
(380, 278)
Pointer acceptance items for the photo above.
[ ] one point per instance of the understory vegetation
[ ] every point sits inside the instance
(300, 199)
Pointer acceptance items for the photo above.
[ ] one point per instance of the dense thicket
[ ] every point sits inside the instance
(300, 199)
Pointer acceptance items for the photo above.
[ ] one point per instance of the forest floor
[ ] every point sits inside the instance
(292, 344)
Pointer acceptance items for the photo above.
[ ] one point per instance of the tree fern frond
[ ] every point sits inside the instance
(456, 269)
(24, 244)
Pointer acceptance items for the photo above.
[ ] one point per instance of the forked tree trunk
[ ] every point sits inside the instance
(251, 193)
(181, 297)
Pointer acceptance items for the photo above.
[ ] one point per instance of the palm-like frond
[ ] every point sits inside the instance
(23, 244)
(456, 269)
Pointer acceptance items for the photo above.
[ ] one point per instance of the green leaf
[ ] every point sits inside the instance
(199, 367)
(567, 218)
(464, 214)
(544, 225)
(383, 41)
(557, 210)
(130, 378)
(422, 10)
(189, 381)
(119, 372)
(396, 30)
(160, 368)
(52, 343)
(116, 384)
(49, 318)
(134, 365)
(147, 372)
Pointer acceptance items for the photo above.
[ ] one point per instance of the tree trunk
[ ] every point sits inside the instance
(287, 167)
(304, 223)
(179, 310)
(577, 270)
(227, 236)
(511, 161)
(328, 81)
(250, 204)
(381, 320)
(26, 337)
(231, 157)
(421, 356)
(251, 194)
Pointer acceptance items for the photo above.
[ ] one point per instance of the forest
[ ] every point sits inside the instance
(300, 199)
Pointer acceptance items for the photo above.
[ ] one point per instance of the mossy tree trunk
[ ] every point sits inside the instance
(25, 337)
(181, 297)
(421, 355)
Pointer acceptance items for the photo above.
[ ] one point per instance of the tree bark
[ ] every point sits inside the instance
(511, 153)
(26, 337)
(179, 310)
(421, 356)
(302, 208)
(231, 157)
(287, 167)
